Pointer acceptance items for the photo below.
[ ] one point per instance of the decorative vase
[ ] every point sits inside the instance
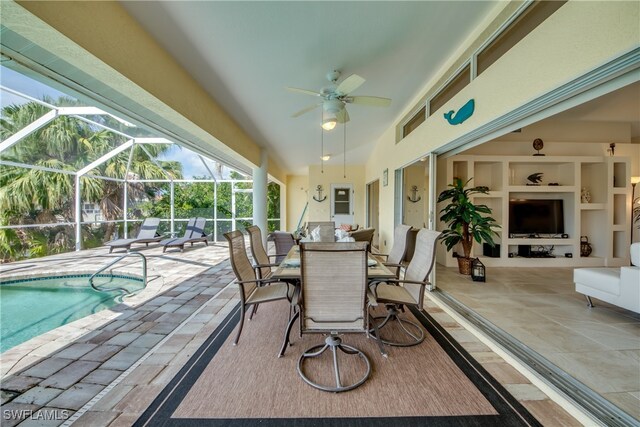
(464, 265)
(585, 246)
(585, 196)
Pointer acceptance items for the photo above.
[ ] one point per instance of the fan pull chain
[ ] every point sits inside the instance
(321, 142)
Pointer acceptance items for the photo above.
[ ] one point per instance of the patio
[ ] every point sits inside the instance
(106, 369)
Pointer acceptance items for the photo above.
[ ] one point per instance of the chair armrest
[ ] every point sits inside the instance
(407, 281)
(242, 282)
(391, 264)
(266, 265)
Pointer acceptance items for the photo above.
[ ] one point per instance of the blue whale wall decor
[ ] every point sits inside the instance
(463, 113)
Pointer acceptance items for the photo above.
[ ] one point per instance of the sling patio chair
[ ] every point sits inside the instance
(399, 248)
(193, 233)
(253, 290)
(260, 257)
(364, 235)
(148, 233)
(283, 241)
(326, 231)
(333, 304)
(408, 291)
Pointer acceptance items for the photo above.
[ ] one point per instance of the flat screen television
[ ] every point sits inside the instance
(536, 216)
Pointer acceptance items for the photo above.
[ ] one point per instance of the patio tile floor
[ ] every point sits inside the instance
(107, 368)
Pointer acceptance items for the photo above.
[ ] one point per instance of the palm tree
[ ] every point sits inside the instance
(29, 196)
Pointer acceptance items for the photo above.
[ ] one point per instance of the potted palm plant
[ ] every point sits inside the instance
(465, 221)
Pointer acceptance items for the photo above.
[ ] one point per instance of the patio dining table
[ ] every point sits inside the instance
(289, 268)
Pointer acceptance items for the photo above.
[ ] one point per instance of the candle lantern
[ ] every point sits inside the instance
(478, 272)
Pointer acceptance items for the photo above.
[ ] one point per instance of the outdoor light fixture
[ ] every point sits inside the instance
(329, 123)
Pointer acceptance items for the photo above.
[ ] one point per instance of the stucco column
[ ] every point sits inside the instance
(260, 195)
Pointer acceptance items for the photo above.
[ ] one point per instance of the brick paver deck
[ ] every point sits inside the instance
(105, 369)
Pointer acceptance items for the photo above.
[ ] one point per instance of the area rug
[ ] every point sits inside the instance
(435, 383)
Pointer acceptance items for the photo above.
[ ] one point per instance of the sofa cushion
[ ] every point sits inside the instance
(635, 254)
(603, 279)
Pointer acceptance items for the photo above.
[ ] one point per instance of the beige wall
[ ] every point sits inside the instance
(321, 211)
(297, 197)
(579, 37)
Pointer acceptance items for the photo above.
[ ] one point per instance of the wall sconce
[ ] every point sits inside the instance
(319, 191)
(414, 198)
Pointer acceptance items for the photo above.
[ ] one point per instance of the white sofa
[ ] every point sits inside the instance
(617, 286)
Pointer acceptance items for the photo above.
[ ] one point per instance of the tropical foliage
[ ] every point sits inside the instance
(464, 219)
(67, 144)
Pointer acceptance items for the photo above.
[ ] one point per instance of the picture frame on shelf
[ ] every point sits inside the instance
(385, 177)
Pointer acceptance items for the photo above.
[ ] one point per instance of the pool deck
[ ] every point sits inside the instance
(107, 368)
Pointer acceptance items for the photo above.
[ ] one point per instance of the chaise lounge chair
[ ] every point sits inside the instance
(193, 233)
(148, 233)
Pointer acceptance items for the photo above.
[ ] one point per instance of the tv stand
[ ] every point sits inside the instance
(604, 220)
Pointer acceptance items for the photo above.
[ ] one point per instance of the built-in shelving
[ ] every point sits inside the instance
(596, 192)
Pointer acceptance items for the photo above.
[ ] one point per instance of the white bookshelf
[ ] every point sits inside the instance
(605, 220)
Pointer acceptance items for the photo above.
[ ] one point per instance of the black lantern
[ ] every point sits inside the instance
(478, 272)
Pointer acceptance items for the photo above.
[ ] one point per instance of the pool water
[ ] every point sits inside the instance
(32, 307)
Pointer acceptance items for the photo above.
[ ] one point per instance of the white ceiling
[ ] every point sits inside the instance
(619, 106)
(245, 53)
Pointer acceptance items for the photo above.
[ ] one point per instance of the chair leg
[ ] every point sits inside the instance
(589, 303)
(285, 343)
(253, 311)
(376, 332)
(334, 343)
(242, 310)
(392, 315)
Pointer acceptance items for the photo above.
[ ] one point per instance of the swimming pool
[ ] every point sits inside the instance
(31, 307)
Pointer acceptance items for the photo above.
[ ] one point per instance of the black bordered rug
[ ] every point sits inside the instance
(222, 385)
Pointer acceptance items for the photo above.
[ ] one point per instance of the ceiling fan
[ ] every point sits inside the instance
(336, 96)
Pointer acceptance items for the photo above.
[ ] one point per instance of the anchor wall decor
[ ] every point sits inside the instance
(413, 198)
(319, 198)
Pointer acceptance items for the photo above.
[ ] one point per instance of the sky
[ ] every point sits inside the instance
(191, 163)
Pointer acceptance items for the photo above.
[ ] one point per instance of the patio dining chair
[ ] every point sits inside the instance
(408, 291)
(251, 290)
(399, 249)
(147, 233)
(364, 235)
(262, 264)
(283, 241)
(333, 304)
(326, 229)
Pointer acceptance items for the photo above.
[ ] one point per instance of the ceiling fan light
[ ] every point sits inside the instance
(329, 123)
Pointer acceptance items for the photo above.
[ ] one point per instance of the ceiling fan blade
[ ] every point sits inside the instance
(350, 84)
(304, 91)
(342, 116)
(373, 101)
(306, 110)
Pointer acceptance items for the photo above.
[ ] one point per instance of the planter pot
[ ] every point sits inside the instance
(464, 265)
